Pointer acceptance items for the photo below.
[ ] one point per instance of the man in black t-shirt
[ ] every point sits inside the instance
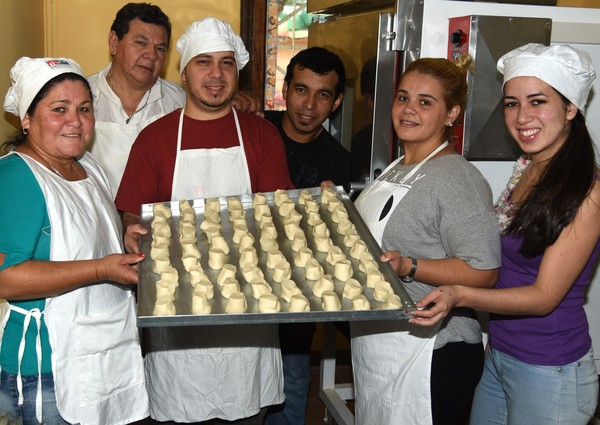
(313, 89)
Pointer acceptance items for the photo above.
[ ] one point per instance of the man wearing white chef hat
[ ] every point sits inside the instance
(208, 149)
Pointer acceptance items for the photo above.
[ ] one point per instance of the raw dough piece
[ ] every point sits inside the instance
(238, 232)
(247, 241)
(189, 261)
(212, 232)
(365, 266)
(373, 276)
(239, 221)
(340, 214)
(162, 209)
(382, 291)
(331, 302)
(205, 287)
(161, 262)
(261, 210)
(187, 234)
(269, 303)
(227, 271)
(237, 213)
(320, 229)
(358, 249)
(280, 196)
(343, 270)
(216, 258)
(352, 289)
(259, 199)
(274, 256)
(323, 243)
(333, 204)
(313, 218)
(213, 216)
(164, 307)
(303, 196)
(265, 220)
(162, 228)
(311, 206)
(160, 249)
(269, 229)
(157, 219)
(291, 229)
(393, 303)
(313, 270)
(219, 243)
(289, 289)
(285, 208)
(334, 255)
(200, 304)
(234, 203)
(304, 254)
(170, 274)
(236, 304)
(268, 242)
(212, 204)
(345, 226)
(165, 288)
(252, 273)
(298, 242)
(282, 271)
(327, 195)
(293, 217)
(351, 238)
(260, 287)
(248, 257)
(230, 285)
(196, 275)
(360, 303)
(190, 249)
(322, 285)
(298, 303)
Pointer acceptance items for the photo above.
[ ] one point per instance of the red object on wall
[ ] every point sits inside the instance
(458, 44)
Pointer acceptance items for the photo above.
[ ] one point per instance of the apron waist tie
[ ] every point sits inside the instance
(36, 313)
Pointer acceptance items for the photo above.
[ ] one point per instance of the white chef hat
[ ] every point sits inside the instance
(29, 75)
(211, 35)
(566, 69)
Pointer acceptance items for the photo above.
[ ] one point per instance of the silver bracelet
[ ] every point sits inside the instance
(411, 274)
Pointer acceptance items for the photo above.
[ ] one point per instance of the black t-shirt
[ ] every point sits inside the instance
(324, 158)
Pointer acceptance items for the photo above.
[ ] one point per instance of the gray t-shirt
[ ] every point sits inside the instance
(448, 212)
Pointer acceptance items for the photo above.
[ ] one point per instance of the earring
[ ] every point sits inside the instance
(25, 131)
(449, 124)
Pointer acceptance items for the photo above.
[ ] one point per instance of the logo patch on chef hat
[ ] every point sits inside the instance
(58, 63)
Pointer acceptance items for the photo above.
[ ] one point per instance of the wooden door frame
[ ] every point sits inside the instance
(253, 27)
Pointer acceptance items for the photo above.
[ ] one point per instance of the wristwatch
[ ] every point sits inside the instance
(411, 274)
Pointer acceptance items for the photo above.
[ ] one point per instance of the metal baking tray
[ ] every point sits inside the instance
(218, 316)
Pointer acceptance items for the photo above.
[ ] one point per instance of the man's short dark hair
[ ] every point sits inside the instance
(145, 12)
(320, 61)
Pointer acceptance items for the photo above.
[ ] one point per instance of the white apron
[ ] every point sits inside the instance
(228, 372)
(391, 360)
(96, 356)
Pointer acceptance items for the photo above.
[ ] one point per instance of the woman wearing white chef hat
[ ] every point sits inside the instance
(540, 367)
(70, 350)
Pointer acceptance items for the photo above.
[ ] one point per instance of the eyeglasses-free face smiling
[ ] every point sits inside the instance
(536, 116)
(63, 122)
(419, 113)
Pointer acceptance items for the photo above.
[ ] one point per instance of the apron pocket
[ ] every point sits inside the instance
(107, 353)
